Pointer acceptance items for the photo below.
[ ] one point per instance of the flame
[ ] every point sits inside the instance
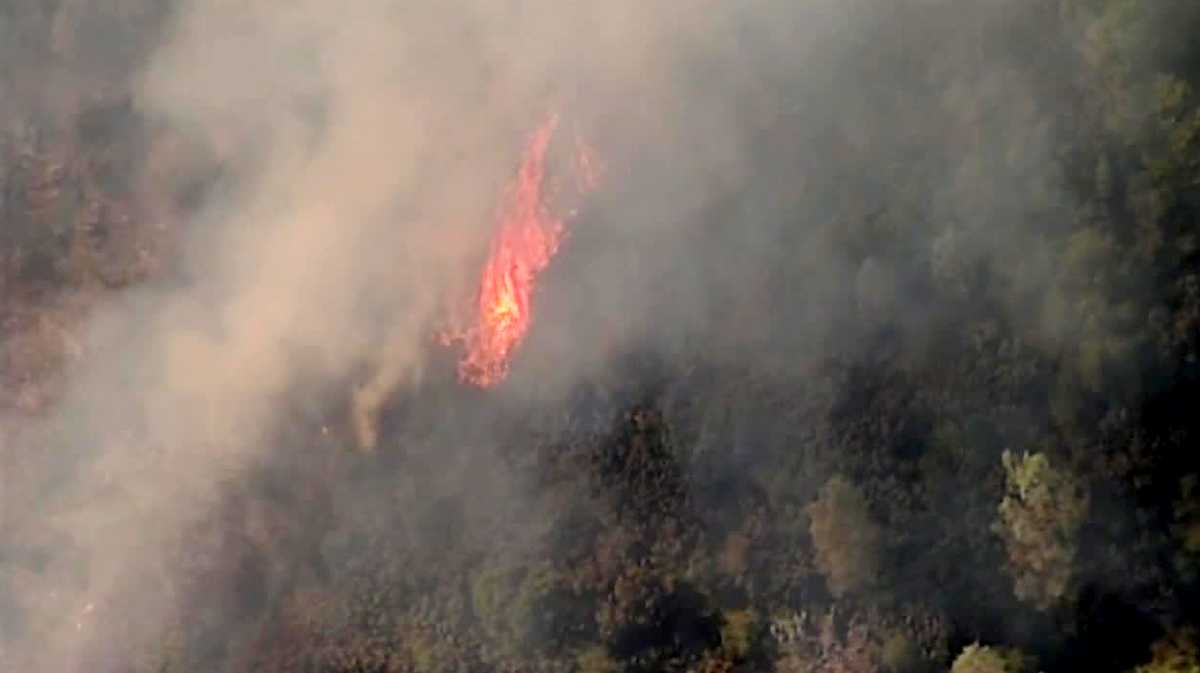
(528, 237)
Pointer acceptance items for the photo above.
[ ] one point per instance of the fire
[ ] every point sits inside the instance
(528, 236)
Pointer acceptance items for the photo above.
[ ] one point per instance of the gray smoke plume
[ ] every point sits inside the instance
(363, 146)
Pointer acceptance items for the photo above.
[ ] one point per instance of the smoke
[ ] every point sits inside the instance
(364, 147)
(364, 179)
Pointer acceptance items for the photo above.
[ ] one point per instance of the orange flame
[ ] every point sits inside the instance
(529, 235)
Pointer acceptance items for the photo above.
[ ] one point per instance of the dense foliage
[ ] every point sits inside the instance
(991, 468)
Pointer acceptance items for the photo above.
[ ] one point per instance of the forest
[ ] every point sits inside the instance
(874, 352)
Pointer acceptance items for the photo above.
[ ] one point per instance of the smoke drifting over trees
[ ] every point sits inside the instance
(875, 351)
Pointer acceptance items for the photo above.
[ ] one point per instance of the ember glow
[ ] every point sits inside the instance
(529, 234)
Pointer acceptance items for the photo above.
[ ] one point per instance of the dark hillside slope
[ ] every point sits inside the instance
(884, 357)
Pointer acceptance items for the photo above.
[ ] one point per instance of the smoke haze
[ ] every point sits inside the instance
(784, 180)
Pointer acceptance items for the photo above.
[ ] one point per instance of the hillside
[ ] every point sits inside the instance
(876, 349)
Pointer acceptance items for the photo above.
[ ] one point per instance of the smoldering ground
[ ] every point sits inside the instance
(780, 176)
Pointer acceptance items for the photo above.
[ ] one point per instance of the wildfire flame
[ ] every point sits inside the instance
(528, 236)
